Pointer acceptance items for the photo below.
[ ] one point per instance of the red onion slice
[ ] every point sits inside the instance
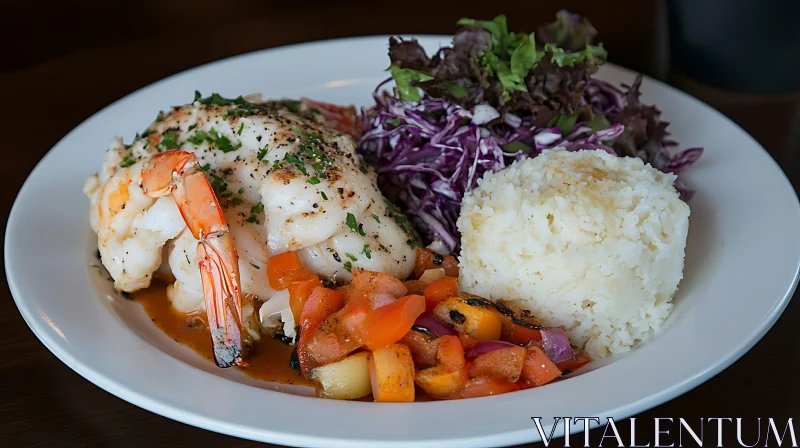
(434, 325)
(556, 345)
(488, 346)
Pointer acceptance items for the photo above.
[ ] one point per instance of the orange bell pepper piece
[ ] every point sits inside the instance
(389, 323)
(441, 381)
(284, 269)
(391, 371)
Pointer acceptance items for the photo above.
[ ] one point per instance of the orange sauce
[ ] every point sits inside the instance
(269, 359)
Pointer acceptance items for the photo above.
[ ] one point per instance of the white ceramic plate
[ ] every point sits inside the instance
(741, 270)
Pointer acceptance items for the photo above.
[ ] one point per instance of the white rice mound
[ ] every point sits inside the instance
(587, 241)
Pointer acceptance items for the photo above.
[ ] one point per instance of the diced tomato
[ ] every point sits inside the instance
(415, 287)
(518, 334)
(284, 269)
(391, 371)
(370, 282)
(467, 341)
(451, 352)
(353, 316)
(325, 344)
(427, 259)
(322, 303)
(389, 323)
(485, 386)
(299, 292)
(575, 363)
(423, 348)
(440, 290)
(504, 363)
(524, 335)
(441, 381)
(538, 369)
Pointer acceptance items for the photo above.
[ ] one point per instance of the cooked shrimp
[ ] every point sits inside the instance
(177, 173)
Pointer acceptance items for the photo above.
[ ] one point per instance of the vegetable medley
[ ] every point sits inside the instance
(381, 336)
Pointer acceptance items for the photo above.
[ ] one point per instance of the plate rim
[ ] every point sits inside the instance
(196, 419)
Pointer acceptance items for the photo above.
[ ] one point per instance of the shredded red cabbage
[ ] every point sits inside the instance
(428, 154)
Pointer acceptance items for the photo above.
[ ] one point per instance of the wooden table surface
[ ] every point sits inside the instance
(61, 63)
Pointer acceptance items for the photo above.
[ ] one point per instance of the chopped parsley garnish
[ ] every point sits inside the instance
(352, 223)
(277, 164)
(127, 161)
(366, 251)
(168, 141)
(191, 127)
(241, 127)
(258, 208)
(253, 219)
(236, 202)
(223, 143)
(240, 191)
(376, 218)
(254, 265)
(160, 116)
(212, 136)
(293, 106)
(199, 137)
(324, 196)
(348, 266)
(306, 134)
(206, 167)
(262, 153)
(314, 181)
(351, 256)
(296, 161)
(362, 165)
(241, 107)
(218, 184)
(403, 222)
(216, 100)
(310, 152)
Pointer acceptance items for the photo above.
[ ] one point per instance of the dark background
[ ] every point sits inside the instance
(60, 62)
